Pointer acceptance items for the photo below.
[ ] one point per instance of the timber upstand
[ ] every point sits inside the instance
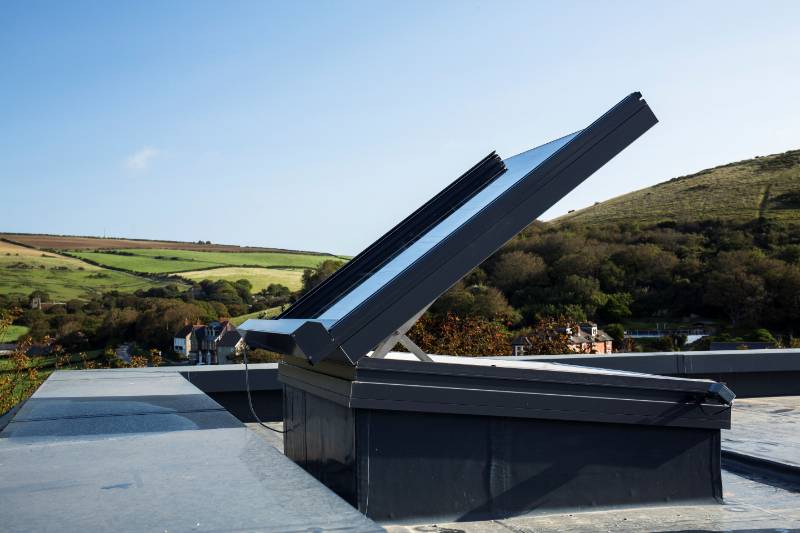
(469, 438)
(474, 439)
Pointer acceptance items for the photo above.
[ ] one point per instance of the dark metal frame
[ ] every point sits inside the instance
(400, 237)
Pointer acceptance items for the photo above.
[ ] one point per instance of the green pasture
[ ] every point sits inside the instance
(163, 261)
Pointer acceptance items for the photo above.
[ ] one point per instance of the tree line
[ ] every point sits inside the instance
(744, 277)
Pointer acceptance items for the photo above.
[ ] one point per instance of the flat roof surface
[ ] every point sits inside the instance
(131, 450)
(144, 449)
(767, 429)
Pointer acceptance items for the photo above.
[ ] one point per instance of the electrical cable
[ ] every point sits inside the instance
(250, 398)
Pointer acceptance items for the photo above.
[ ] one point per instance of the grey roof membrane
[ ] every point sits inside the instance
(766, 429)
(129, 450)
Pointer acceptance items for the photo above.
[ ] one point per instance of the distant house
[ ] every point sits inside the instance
(37, 303)
(741, 345)
(584, 338)
(230, 345)
(199, 342)
(182, 343)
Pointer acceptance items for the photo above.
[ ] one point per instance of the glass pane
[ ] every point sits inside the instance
(518, 167)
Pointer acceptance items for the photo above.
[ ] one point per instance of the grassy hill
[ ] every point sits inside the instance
(159, 260)
(23, 270)
(266, 313)
(261, 278)
(74, 242)
(767, 187)
(12, 333)
(69, 267)
(260, 268)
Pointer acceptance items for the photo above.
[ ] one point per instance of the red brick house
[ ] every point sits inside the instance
(584, 338)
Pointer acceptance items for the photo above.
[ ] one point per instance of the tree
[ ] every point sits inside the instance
(276, 290)
(616, 332)
(244, 290)
(583, 292)
(516, 269)
(617, 307)
(222, 291)
(275, 294)
(21, 377)
(646, 264)
(313, 277)
(548, 336)
(736, 288)
(74, 305)
(479, 300)
(762, 335)
(454, 335)
(154, 357)
(138, 361)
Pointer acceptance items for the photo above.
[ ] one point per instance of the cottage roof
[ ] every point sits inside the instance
(230, 339)
(184, 332)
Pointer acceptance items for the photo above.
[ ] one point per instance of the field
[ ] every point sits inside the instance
(68, 242)
(766, 187)
(165, 260)
(266, 313)
(88, 265)
(23, 270)
(12, 333)
(46, 363)
(259, 277)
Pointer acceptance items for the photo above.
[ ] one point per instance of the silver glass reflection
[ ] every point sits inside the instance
(517, 166)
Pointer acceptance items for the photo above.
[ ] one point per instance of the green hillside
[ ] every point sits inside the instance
(69, 267)
(261, 278)
(160, 261)
(767, 187)
(24, 270)
(260, 268)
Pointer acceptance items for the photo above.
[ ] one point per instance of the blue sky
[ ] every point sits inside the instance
(318, 125)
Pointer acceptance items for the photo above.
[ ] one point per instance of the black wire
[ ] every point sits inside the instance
(249, 398)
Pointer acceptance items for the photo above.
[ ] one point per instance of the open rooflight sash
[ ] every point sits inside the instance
(397, 239)
(391, 291)
(517, 168)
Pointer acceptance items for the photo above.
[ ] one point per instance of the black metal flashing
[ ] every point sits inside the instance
(477, 438)
(383, 288)
(477, 386)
